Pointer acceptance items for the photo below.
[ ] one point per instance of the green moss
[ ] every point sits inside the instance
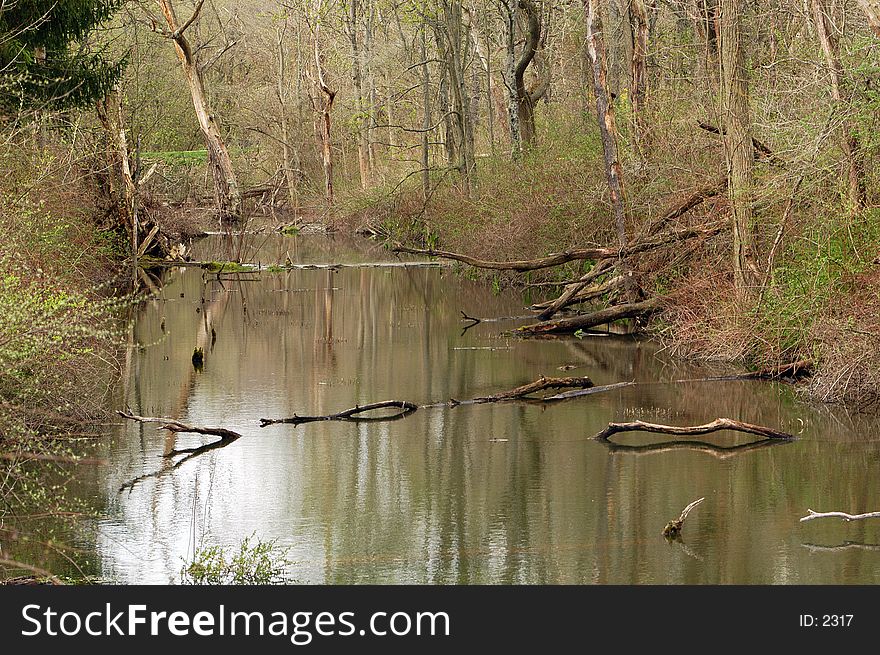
(227, 267)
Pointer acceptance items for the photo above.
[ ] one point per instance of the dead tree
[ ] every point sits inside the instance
(226, 190)
(328, 96)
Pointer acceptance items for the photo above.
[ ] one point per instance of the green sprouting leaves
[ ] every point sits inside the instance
(255, 562)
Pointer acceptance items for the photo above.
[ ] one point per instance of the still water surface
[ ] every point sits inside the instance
(492, 493)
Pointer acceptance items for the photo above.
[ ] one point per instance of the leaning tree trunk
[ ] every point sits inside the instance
(361, 122)
(605, 113)
(738, 143)
(526, 97)
(226, 190)
(328, 96)
(850, 141)
(510, 78)
(639, 17)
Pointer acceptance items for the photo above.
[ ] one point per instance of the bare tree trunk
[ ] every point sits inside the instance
(607, 124)
(510, 7)
(328, 96)
(288, 153)
(226, 190)
(850, 142)
(121, 185)
(639, 16)
(426, 108)
(362, 118)
(527, 98)
(456, 42)
(738, 143)
(872, 12)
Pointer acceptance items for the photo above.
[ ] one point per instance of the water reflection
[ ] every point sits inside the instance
(492, 493)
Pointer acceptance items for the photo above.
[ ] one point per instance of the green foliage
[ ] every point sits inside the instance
(259, 563)
(817, 269)
(227, 267)
(44, 58)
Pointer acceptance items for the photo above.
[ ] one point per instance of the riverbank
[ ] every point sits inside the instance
(818, 296)
(60, 301)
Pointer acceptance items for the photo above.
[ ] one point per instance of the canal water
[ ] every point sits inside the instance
(512, 493)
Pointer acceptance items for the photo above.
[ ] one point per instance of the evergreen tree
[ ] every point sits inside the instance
(45, 59)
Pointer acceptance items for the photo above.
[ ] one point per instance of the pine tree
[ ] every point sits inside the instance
(45, 58)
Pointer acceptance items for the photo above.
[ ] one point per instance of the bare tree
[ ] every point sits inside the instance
(826, 33)
(605, 115)
(737, 141)
(226, 190)
(328, 96)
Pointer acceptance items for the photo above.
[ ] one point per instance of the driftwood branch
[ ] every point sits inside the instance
(569, 255)
(174, 425)
(541, 384)
(586, 321)
(404, 407)
(673, 528)
(714, 426)
(839, 515)
(226, 437)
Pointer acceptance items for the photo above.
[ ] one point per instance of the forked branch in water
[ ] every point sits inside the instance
(673, 528)
(404, 406)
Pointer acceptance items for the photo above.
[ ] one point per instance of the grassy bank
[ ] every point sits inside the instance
(817, 301)
(59, 329)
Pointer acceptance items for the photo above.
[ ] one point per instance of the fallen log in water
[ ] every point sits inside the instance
(585, 321)
(404, 406)
(540, 384)
(839, 515)
(226, 437)
(174, 425)
(714, 426)
(565, 256)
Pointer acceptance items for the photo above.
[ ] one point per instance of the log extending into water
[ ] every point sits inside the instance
(404, 406)
(569, 255)
(585, 321)
(799, 369)
(176, 426)
(839, 515)
(540, 384)
(714, 426)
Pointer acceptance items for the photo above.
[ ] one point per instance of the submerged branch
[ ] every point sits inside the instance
(404, 406)
(673, 528)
